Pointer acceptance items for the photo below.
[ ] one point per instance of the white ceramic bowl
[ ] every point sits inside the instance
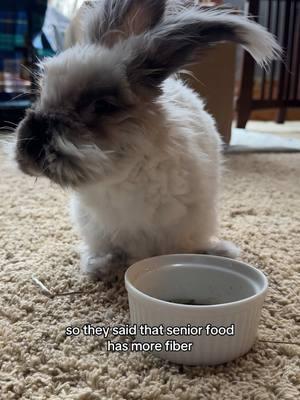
(219, 291)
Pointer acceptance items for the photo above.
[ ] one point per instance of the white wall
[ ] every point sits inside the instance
(66, 7)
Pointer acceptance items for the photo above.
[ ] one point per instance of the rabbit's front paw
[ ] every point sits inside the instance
(104, 267)
(223, 248)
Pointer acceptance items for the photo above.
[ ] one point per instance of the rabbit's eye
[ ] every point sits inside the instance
(92, 103)
(105, 107)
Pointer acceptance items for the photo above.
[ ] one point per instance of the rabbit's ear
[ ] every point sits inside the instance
(182, 37)
(110, 21)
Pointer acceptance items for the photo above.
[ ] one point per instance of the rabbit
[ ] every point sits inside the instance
(115, 124)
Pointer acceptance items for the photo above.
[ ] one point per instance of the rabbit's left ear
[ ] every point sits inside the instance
(182, 37)
(110, 21)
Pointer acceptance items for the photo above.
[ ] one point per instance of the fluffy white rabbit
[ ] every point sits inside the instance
(132, 141)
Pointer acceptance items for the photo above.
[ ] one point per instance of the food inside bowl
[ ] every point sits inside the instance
(192, 302)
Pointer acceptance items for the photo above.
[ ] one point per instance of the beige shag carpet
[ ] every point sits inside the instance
(260, 212)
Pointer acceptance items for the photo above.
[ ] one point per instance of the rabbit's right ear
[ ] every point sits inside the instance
(109, 21)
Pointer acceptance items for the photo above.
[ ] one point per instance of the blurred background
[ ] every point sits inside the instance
(255, 110)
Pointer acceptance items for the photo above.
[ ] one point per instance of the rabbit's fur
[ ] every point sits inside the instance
(131, 140)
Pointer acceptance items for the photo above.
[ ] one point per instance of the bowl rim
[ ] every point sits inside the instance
(130, 286)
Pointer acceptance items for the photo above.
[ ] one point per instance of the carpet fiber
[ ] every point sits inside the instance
(259, 212)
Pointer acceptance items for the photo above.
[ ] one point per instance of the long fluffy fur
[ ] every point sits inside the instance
(132, 140)
(102, 17)
(164, 199)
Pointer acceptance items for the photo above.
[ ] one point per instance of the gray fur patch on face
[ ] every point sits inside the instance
(56, 146)
(72, 165)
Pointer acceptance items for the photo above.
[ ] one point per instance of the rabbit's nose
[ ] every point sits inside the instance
(34, 134)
